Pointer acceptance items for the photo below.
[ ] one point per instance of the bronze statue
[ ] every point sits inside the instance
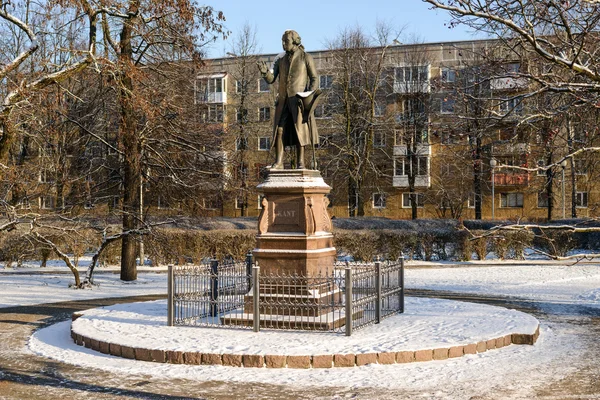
(294, 123)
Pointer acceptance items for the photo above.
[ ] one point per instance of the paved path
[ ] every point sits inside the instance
(27, 376)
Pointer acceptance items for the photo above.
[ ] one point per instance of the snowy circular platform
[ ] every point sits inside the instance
(430, 329)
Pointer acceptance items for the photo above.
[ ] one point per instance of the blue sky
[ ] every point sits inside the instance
(318, 20)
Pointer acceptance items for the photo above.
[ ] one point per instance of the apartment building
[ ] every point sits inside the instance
(445, 138)
(428, 130)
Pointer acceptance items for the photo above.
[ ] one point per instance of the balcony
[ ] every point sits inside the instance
(421, 181)
(411, 87)
(216, 97)
(511, 179)
(508, 83)
(422, 150)
(511, 148)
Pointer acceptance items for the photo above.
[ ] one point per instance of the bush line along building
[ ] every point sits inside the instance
(426, 130)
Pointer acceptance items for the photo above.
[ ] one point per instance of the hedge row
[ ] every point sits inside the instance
(178, 246)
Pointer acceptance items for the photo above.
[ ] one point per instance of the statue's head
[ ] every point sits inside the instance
(290, 40)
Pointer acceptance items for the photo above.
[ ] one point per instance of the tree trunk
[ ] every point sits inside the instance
(573, 189)
(6, 140)
(352, 198)
(477, 177)
(550, 189)
(131, 147)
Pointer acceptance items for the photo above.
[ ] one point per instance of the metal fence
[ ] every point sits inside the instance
(235, 294)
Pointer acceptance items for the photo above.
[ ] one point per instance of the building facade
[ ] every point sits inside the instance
(443, 135)
(429, 130)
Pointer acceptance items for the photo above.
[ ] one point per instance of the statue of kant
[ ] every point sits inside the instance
(294, 123)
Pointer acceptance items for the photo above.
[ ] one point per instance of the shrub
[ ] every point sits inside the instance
(180, 246)
(480, 245)
(362, 245)
(555, 242)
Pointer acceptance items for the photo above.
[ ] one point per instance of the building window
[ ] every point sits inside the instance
(264, 143)
(241, 171)
(402, 136)
(448, 136)
(514, 105)
(412, 110)
(411, 79)
(513, 68)
(448, 75)
(24, 204)
(163, 204)
(379, 200)
(581, 199)
(241, 143)
(580, 167)
(322, 111)
(412, 74)
(212, 203)
(209, 90)
(511, 200)
(241, 116)
(406, 200)
(239, 203)
(542, 200)
(541, 164)
(378, 138)
(325, 81)
(447, 105)
(262, 171)
(402, 166)
(379, 110)
(263, 86)
(472, 200)
(46, 176)
(264, 114)
(47, 202)
(214, 113)
(241, 87)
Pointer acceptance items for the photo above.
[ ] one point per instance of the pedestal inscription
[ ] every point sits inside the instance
(286, 214)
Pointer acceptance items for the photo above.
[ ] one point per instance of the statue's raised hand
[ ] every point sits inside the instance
(262, 67)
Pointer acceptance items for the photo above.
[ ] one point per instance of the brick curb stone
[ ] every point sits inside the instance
(303, 361)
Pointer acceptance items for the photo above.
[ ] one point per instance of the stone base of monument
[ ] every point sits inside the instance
(324, 322)
(294, 250)
(300, 299)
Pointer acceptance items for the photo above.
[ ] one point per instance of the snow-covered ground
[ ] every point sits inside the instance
(576, 284)
(514, 369)
(426, 324)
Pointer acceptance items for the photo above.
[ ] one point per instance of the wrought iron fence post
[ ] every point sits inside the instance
(401, 283)
(214, 287)
(378, 289)
(348, 285)
(171, 296)
(249, 270)
(255, 298)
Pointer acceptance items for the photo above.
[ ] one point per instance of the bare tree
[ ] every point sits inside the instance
(560, 41)
(148, 37)
(149, 34)
(358, 97)
(244, 48)
(27, 26)
(412, 85)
